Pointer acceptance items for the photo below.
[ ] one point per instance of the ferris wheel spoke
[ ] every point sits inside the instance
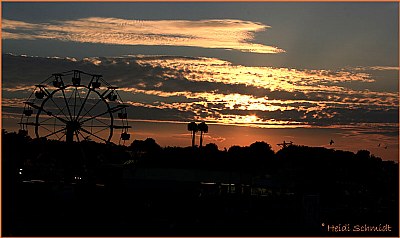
(50, 131)
(51, 114)
(66, 103)
(90, 115)
(98, 120)
(47, 129)
(111, 110)
(101, 122)
(94, 117)
(88, 111)
(47, 112)
(48, 124)
(75, 100)
(70, 96)
(58, 131)
(62, 137)
(60, 110)
(99, 126)
(82, 104)
(95, 132)
(77, 137)
(84, 138)
(48, 119)
(90, 133)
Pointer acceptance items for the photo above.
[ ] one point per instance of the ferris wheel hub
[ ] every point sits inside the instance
(72, 128)
(73, 125)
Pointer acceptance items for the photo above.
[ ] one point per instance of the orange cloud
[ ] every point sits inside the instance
(219, 71)
(379, 68)
(220, 33)
(214, 90)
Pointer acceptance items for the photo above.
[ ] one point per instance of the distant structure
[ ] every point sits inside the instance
(331, 142)
(75, 106)
(285, 144)
(203, 128)
(193, 127)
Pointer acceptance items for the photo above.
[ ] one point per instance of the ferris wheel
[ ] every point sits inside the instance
(75, 106)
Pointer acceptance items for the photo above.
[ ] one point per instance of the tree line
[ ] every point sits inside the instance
(19, 150)
(358, 186)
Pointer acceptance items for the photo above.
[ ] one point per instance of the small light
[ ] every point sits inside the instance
(20, 169)
(20, 172)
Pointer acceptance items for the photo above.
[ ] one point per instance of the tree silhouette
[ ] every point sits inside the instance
(203, 128)
(211, 147)
(148, 146)
(261, 149)
(192, 126)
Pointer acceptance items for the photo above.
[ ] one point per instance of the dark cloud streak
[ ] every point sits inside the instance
(166, 91)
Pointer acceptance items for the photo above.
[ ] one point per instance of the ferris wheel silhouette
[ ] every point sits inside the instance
(75, 106)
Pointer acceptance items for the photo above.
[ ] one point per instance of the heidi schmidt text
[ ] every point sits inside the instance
(357, 228)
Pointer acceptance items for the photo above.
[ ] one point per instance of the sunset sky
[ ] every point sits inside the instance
(301, 72)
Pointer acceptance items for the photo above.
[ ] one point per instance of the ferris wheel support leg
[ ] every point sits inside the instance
(69, 136)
